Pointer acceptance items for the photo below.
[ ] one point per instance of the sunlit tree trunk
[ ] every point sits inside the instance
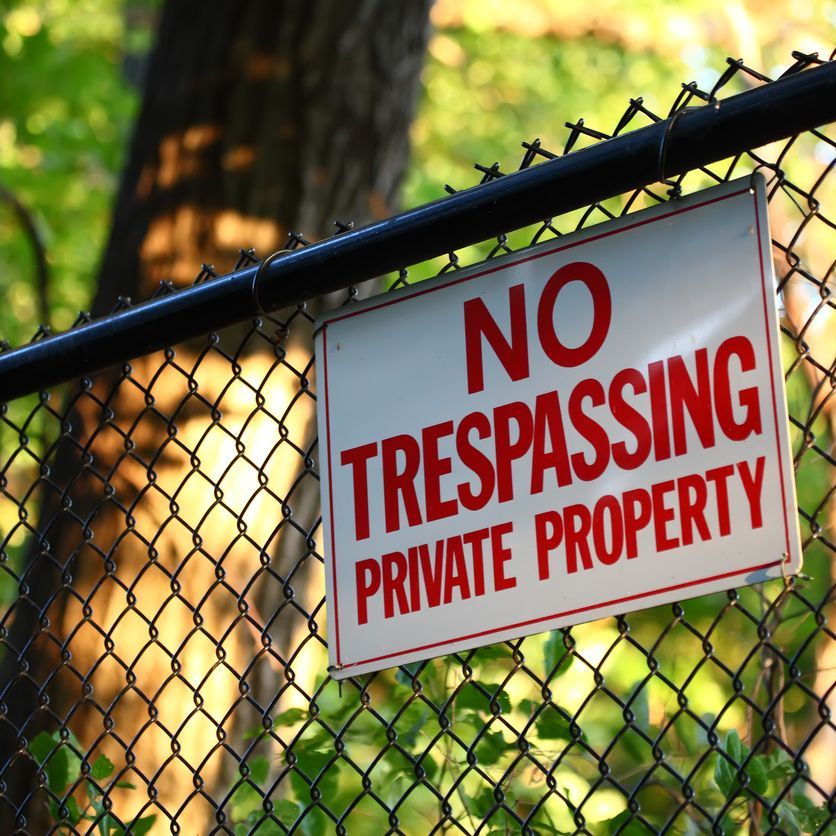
(258, 119)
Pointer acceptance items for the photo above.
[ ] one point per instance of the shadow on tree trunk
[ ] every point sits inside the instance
(176, 559)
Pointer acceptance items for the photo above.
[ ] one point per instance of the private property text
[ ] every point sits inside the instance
(516, 448)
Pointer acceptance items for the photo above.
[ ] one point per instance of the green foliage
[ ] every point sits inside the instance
(59, 761)
(64, 122)
(247, 803)
(556, 656)
(624, 824)
(798, 815)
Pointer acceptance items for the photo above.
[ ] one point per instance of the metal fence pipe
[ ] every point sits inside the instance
(688, 140)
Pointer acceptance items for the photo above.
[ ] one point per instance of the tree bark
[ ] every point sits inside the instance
(160, 540)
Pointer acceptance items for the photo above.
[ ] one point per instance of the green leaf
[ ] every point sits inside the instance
(103, 821)
(139, 827)
(640, 706)
(552, 725)
(480, 700)
(50, 754)
(310, 763)
(259, 767)
(54, 812)
(734, 746)
(74, 810)
(126, 785)
(492, 652)
(757, 772)
(790, 814)
(556, 658)
(286, 812)
(779, 764)
(811, 818)
(102, 767)
(409, 738)
(258, 823)
(290, 717)
(490, 748)
(479, 805)
(803, 803)
(474, 719)
(245, 799)
(42, 746)
(624, 824)
(724, 775)
(406, 673)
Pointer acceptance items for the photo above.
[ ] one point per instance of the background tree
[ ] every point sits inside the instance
(257, 120)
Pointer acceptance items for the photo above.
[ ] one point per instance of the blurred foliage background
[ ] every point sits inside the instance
(497, 73)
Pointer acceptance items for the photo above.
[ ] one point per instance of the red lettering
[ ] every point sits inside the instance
(719, 476)
(609, 506)
(629, 418)
(358, 458)
(662, 515)
(693, 496)
(394, 572)
(596, 283)
(435, 467)
(513, 355)
(414, 578)
(548, 425)
(577, 522)
(432, 572)
(367, 578)
(637, 511)
(659, 411)
(475, 539)
(400, 483)
(548, 532)
(741, 348)
(508, 451)
(475, 460)
(590, 429)
(455, 571)
(752, 485)
(501, 555)
(695, 399)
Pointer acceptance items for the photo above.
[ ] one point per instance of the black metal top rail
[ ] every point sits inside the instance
(687, 140)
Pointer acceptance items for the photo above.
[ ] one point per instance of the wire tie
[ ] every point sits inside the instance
(665, 142)
(254, 288)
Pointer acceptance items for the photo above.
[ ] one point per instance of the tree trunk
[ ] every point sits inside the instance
(161, 543)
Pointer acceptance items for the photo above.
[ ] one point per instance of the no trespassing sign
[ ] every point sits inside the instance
(591, 426)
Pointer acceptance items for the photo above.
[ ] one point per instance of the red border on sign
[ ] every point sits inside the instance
(330, 491)
(542, 254)
(587, 608)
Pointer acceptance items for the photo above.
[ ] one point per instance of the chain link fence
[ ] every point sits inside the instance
(163, 631)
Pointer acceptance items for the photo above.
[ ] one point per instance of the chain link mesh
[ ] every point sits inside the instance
(163, 632)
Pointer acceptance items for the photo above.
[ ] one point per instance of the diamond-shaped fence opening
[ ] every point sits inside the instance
(163, 630)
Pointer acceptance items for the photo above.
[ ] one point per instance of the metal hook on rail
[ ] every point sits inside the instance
(254, 288)
(662, 158)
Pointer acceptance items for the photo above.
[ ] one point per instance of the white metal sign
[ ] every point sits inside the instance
(592, 426)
